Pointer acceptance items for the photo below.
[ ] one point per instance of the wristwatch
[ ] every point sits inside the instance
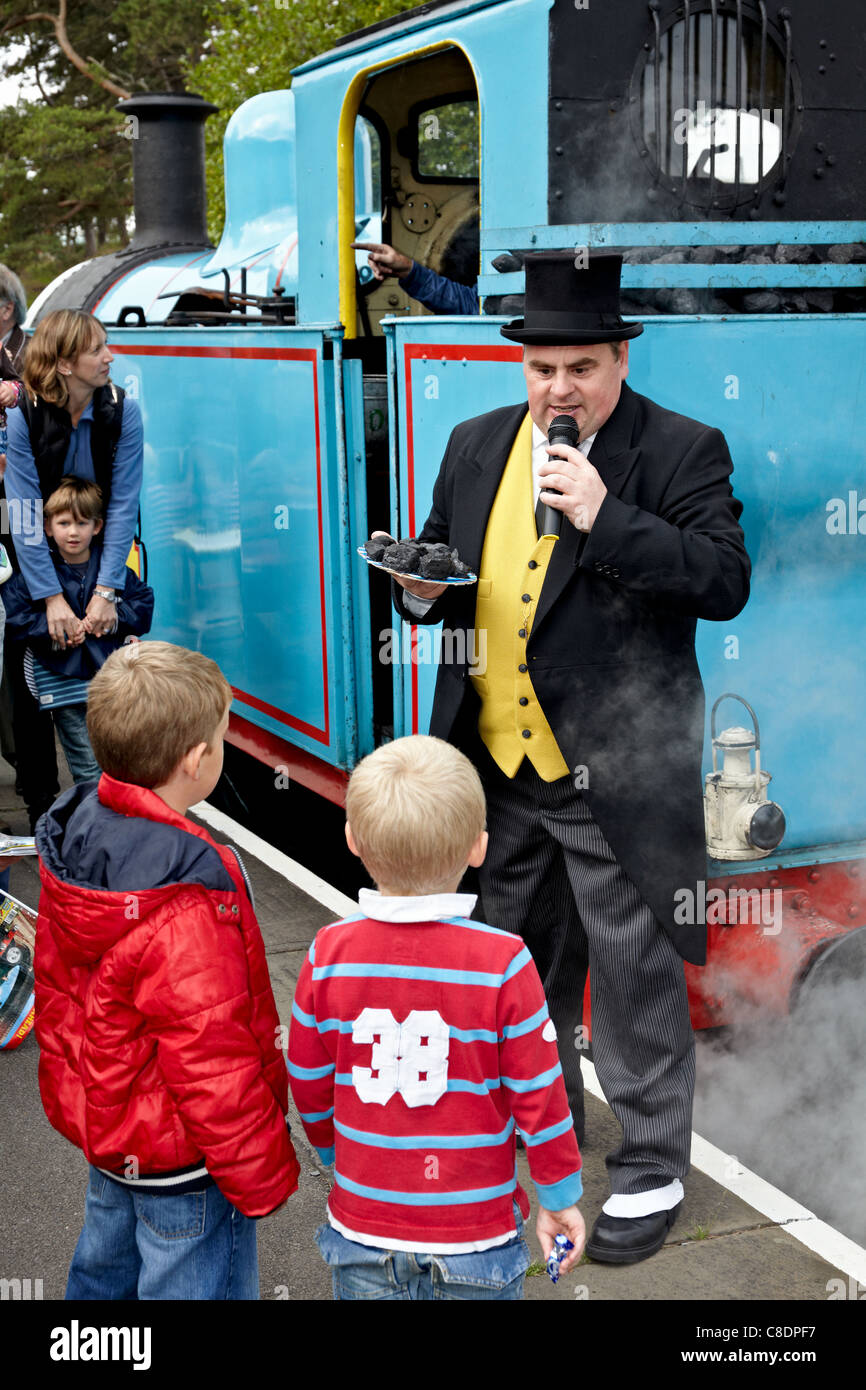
(108, 594)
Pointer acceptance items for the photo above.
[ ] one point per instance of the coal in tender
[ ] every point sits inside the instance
(404, 557)
(377, 545)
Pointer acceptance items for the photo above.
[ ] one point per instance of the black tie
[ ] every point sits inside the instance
(539, 516)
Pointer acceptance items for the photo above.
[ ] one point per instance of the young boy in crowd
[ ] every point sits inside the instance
(419, 1040)
(58, 679)
(154, 1010)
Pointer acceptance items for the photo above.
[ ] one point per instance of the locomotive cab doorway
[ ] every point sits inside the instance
(409, 177)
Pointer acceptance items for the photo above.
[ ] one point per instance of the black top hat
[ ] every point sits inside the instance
(567, 305)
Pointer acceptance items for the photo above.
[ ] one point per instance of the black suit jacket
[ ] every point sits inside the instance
(611, 652)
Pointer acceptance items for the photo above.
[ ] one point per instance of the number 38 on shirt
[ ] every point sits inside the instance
(409, 1058)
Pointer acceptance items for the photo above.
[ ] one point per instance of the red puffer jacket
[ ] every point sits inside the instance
(154, 1010)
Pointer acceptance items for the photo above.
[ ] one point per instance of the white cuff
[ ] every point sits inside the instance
(644, 1203)
(416, 605)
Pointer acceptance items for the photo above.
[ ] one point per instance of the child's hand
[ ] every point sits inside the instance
(63, 625)
(8, 394)
(566, 1223)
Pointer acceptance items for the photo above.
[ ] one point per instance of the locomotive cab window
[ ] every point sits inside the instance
(446, 140)
(714, 96)
(368, 192)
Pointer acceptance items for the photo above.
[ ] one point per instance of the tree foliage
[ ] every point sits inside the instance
(65, 173)
(253, 48)
(58, 188)
(140, 45)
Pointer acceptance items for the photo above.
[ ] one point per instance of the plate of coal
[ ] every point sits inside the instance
(430, 562)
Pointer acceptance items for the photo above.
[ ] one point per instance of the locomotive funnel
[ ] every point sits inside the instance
(167, 131)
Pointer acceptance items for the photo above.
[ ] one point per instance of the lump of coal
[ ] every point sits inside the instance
(439, 562)
(428, 559)
(790, 255)
(404, 557)
(680, 301)
(511, 304)
(793, 303)
(820, 300)
(762, 302)
(435, 566)
(377, 545)
(847, 252)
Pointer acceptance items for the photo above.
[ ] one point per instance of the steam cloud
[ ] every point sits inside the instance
(788, 1097)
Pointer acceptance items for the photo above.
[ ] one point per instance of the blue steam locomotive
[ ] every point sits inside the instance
(291, 402)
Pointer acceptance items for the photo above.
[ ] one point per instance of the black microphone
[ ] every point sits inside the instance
(563, 430)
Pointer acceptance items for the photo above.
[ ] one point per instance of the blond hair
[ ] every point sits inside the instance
(416, 808)
(77, 495)
(149, 705)
(64, 334)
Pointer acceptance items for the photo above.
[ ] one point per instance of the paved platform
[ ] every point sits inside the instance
(721, 1249)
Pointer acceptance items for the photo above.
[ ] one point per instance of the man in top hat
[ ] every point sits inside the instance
(587, 723)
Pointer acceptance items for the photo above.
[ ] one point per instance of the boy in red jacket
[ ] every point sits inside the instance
(154, 1010)
(420, 1041)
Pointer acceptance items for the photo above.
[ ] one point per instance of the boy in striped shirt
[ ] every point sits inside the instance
(420, 1042)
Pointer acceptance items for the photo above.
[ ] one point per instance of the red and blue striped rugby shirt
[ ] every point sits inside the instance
(415, 1049)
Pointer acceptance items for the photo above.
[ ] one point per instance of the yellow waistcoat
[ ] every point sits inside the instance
(508, 594)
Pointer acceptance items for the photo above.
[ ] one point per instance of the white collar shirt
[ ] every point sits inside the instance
(436, 907)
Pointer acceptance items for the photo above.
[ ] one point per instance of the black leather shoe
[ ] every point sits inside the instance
(624, 1240)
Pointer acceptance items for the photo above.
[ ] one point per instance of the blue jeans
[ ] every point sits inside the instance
(138, 1246)
(370, 1272)
(70, 721)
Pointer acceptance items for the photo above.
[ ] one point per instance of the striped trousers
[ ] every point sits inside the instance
(551, 876)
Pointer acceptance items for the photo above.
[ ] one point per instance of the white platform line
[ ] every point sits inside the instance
(725, 1169)
(302, 878)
